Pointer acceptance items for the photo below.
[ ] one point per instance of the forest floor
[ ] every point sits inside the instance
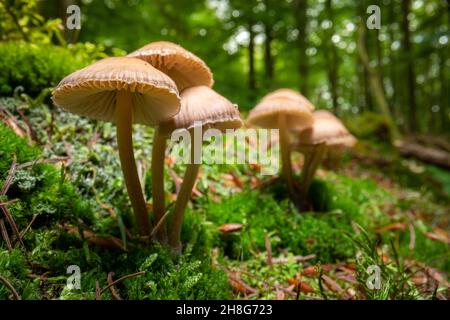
(65, 205)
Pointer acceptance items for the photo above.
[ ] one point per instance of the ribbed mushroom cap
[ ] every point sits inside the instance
(324, 114)
(92, 91)
(292, 94)
(326, 130)
(265, 114)
(185, 68)
(203, 106)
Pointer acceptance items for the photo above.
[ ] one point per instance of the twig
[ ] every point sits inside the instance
(5, 235)
(269, 251)
(159, 224)
(265, 183)
(113, 290)
(34, 162)
(22, 233)
(31, 130)
(176, 180)
(7, 203)
(12, 223)
(98, 292)
(10, 177)
(412, 238)
(121, 279)
(10, 287)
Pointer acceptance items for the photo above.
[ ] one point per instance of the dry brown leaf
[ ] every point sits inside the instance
(230, 227)
(240, 286)
(331, 284)
(302, 285)
(310, 271)
(392, 227)
(438, 235)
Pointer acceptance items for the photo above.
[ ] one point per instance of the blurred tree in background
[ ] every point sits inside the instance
(254, 46)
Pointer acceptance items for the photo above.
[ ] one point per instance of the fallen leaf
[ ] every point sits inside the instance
(240, 286)
(392, 227)
(304, 287)
(310, 271)
(438, 235)
(331, 284)
(230, 227)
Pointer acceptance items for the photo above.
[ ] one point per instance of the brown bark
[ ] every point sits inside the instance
(411, 78)
(332, 60)
(268, 58)
(375, 83)
(300, 7)
(251, 59)
(424, 153)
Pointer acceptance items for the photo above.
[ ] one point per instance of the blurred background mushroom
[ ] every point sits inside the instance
(201, 107)
(123, 91)
(333, 153)
(285, 110)
(327, 134)
(186, 70)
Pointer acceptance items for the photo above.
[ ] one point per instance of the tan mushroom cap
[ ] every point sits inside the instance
(292, 94)
(330, 131)
(185, 68)
(92, 91)
(265, 114)
(324, 114)
(203, 106)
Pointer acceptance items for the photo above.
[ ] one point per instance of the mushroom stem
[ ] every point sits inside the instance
(124, 120)
(182, 200)
(312, 162)
(158, 194)
(285, 153)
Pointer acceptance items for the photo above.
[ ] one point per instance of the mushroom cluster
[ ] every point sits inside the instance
(161, 85)
(316, 133)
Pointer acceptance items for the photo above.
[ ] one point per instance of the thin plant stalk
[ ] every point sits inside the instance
(124, 120)
(158, 192)
(183, 197)
(285, 153)
(313, 158)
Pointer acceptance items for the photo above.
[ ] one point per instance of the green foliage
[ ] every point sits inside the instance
(369, 125)
(262, 215)
(55, 204)
(37, 67)
(395, 283)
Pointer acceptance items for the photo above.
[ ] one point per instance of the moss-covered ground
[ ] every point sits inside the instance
(67, 198)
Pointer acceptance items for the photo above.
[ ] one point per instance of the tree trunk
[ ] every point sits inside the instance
(332, 60)
(251, 59)
(300, 8)
(428, 154)
(268, 58)
(375, 84)
(393, 67)
(411, 78)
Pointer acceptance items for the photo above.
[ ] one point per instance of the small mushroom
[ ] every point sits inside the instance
(326, 134)
(200, 106)
(184, 67)
(291, 94)
(123, 91)
(284, 113)
(187, 70)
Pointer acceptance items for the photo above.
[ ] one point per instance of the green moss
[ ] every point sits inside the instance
(262, 215)
(35, 68)
(50, 198)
